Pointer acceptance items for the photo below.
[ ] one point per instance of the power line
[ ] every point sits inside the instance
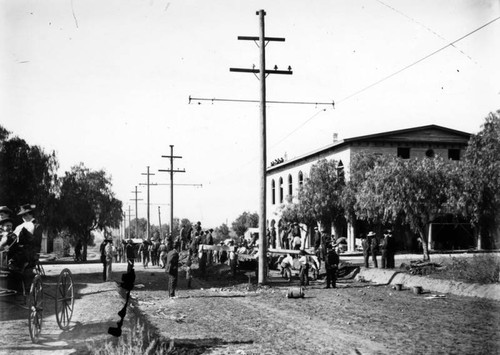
(422, 25)
(418, 61)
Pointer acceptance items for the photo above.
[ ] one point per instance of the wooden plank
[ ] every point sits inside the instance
(216, 247)
(309, 251)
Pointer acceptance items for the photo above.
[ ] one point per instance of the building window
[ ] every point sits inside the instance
(301, 179)
(281, 190)
(454, 154)
(273, 192)
(404, 153)
(429, 153)
(340, 171)
(290, 186)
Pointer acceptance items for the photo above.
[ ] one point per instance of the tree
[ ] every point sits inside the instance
(28, 175)
(412, 191)
(244, 221)
(221, 233)
(480, 197)
(138, 228)
(87, 203)
(320, 196)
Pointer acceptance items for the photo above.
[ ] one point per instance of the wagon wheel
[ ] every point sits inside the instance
(35, 308)
(65, 299)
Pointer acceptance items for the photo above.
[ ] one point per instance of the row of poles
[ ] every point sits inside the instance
(148, 184)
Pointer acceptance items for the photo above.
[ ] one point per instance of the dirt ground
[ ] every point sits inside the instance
(222, 315)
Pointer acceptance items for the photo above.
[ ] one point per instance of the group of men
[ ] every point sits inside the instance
(22, 244)
(371, 245)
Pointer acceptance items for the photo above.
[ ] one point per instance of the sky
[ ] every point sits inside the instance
(107, 83)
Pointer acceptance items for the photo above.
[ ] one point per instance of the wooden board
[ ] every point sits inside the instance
(216, 247)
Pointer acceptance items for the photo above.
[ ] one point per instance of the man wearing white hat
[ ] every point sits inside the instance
(29, 233)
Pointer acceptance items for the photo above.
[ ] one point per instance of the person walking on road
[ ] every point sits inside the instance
(331, 266)
(108, 250)
(130, 254)
(172, 270)
(373, 247)
(102, 249)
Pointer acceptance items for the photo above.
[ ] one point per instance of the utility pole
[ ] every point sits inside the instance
(124, 226)
(159, 221)
(129, 213)
(148, 229)
(262, 42)
(136, 214)
(172, 171)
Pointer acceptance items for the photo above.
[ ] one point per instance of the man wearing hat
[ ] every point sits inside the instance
(331, 266)
(373, 247)
(29, 233)
(387, 250)
(171, 269)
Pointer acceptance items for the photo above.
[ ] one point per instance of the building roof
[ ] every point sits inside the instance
(421, 134)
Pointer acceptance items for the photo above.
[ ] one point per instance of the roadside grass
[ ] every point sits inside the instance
(481, 269)
(136, 340)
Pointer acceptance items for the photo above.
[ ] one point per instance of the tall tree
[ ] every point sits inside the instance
(480, 199)
(87, 203)
(221, 233)
(415, 191)
(320, 197)
(244, 221)
(28, 175)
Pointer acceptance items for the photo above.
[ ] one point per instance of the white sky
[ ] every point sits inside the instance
(107, 83)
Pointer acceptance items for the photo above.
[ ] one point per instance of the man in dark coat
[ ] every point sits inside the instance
(388, 250)
(29, 234)
(172, 270)
(331, 266)
(130, 255)
(365, 243)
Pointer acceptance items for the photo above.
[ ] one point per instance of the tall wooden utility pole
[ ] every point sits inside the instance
(159, 222)
(136, 214)
(172, 171)
(262, 41)
(129, 213)
(148, 229)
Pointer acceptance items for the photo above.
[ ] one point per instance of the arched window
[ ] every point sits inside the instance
(281, 190)
(301, 179)
(290, 186)
(273, 192)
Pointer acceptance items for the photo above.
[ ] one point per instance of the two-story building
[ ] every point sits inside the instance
(285, 177)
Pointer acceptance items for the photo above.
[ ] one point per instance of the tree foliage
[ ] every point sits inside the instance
(28, 175)
(87, 203)
(320, 195)
(244, 221)
(480, 199)
(412, 191)
(221, 233)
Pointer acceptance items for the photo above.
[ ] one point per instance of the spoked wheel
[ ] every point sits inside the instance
(35, 308)
(65, 299)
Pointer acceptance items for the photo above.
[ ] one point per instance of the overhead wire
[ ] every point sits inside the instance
(418, 61)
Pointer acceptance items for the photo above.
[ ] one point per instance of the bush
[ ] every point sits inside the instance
(483, 269)
(136, 341)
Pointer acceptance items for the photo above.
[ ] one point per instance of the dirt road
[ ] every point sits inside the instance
(356, 318)
(225, 316)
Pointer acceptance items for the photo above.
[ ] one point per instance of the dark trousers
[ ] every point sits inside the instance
(172, 284)
(366, 256)
(384, 262)
(104, 266)
(331, 277)
(374, 258)
(390, 260)
(304, 275)
(130, 265)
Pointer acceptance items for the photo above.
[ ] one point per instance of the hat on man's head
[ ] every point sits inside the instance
(5, 220)
(388, 231)
(316, 227)
(371, 234)
(6, 209)
(26, 209)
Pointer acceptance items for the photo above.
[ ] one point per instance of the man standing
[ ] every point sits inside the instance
(365, 244)
(373, 247)
(130, 254)
(390, 249)
(171, 269)
(331, 266)
(304, 268)
(109, 259)
(29, 234)
(104, 259)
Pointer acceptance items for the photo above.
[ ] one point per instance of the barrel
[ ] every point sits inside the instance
(417, 290)
(398, 287)
(295, 292)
